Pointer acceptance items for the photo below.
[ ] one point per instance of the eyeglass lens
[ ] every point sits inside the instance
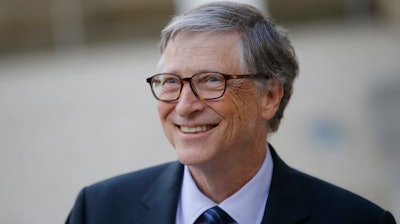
(168, 87)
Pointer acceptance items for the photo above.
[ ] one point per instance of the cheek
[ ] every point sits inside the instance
(241, 109)
(243, 103)
(164, 110)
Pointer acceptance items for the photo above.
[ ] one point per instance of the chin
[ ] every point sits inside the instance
(190, 157)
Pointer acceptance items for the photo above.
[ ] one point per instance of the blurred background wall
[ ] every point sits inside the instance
(75, 109)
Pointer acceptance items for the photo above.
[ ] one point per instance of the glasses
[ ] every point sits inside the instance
(205, 86)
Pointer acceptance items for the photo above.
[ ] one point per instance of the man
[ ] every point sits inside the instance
(226, 76)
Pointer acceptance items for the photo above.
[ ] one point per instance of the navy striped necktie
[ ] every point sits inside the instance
(215, 215)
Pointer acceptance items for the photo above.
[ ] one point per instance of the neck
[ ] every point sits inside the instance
(221, 180)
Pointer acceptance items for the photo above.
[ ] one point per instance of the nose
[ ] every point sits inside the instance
(188, 104)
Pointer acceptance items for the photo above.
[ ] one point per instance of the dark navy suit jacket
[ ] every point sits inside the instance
(150, 196)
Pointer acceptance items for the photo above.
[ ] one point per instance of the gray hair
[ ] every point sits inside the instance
(266, 48)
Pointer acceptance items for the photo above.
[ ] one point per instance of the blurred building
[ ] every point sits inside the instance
(27, 25)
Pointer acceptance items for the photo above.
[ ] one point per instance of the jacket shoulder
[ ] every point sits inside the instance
(118, 199)
(341, 205)
(312, 200)
(136, 181)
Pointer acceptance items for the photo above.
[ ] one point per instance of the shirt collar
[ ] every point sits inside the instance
(245, 206)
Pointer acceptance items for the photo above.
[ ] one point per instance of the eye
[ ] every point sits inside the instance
(165, 81)
(211, 78)
(171, 80)
(168, 80)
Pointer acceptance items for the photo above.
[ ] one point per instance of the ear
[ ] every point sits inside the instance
(271, 99)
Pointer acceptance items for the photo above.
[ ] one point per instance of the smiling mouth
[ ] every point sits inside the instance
(197, 129)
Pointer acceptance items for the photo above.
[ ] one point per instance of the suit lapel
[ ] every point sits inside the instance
(161, 199)
(286, 201)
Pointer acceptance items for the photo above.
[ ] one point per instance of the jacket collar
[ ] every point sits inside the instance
(161, 199)
(286, 201)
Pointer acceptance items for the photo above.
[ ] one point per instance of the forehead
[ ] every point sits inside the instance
(207, 51)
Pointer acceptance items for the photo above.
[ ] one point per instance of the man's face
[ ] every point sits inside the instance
(230, 128)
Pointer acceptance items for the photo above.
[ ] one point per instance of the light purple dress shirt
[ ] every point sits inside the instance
(246, 206)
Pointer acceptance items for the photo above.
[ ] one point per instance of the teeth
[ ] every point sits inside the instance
(195, 129)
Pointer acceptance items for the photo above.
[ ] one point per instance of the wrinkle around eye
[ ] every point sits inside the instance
(239, 84)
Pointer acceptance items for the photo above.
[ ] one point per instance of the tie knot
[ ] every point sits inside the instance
(215, 215)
